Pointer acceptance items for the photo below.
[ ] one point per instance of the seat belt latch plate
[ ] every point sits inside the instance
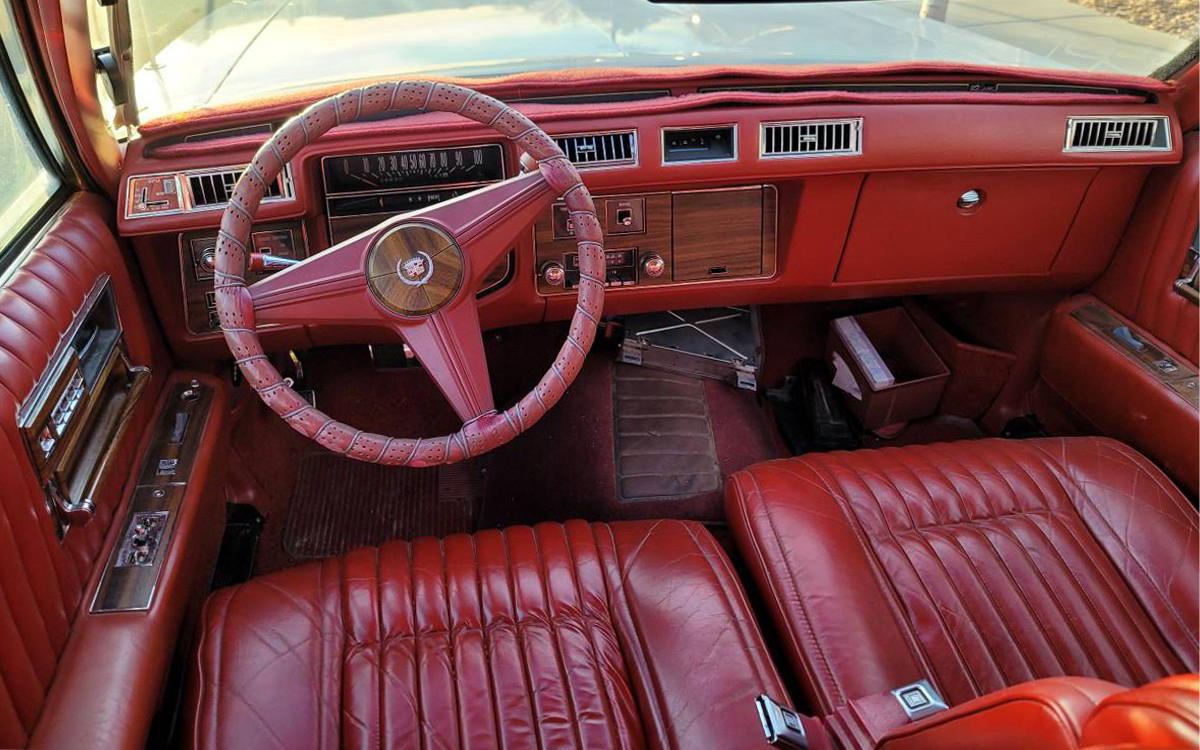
(781, 725)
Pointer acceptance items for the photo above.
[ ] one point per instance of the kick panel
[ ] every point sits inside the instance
(658, 239)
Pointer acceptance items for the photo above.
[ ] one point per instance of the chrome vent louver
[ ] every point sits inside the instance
(600, 149)
(213, 188)
(1118, 134)
(811, 138)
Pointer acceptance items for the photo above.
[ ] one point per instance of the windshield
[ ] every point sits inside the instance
(196, 53)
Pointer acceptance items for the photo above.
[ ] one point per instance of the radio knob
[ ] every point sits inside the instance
(554, 274)
(653, 265)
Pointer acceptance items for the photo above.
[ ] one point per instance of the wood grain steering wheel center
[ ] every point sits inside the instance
(414, 269)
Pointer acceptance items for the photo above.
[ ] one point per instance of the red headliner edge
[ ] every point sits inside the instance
(544, 83)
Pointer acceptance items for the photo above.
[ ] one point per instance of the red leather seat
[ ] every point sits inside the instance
(556, 636)
(977, 565)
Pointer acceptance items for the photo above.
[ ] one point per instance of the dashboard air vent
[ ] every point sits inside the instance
(1118, 134)
(811, 138)
(600, 149)
(209, 189)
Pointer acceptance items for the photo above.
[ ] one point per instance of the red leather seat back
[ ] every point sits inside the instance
(978, 565)
(43, 580)
(568, 635)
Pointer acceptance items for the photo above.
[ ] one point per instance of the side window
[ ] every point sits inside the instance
(30, 176)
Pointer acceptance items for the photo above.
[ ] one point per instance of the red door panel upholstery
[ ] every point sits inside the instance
(133, 650)
(1139, 283)
(979, 565)
(624, 635)
(43, 580)
(1086, 385)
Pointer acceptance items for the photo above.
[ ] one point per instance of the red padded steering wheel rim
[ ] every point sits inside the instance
(236, 306)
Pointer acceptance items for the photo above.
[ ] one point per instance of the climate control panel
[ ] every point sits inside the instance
(665, 238)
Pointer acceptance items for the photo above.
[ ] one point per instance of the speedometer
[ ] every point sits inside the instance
(400, 170)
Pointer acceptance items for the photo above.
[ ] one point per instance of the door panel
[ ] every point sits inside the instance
(1139, 283)
(1092, 383)
(1134, 379)
(43, 578)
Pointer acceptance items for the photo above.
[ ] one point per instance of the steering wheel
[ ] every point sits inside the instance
(416, 274)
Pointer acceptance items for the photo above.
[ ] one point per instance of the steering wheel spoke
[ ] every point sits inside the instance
(449, 345)
(328, 288)
(488, 222)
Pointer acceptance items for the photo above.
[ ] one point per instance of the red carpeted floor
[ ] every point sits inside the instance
(561, 468)
(565, 466)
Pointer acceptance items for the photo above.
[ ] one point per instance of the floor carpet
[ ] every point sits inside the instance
(340, 504)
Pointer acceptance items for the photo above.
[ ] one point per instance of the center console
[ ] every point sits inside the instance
(666, 238)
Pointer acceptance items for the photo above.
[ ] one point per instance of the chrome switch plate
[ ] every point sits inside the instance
(140, 547)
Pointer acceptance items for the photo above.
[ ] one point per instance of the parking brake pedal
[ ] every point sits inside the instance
(297, 380)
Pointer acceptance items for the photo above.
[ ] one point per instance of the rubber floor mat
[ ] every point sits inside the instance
(663, 438)
(340, 504)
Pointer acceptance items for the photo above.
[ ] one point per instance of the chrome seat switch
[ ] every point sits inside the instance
(140, 545)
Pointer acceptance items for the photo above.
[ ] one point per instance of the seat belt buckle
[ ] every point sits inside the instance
(919, 699)
(781, 725)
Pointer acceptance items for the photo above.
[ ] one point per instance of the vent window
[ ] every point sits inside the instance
(1118, 134)
(600, 149)
(811, 138)
(209, 189)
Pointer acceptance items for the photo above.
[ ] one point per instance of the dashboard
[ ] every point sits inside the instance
(708, 196)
